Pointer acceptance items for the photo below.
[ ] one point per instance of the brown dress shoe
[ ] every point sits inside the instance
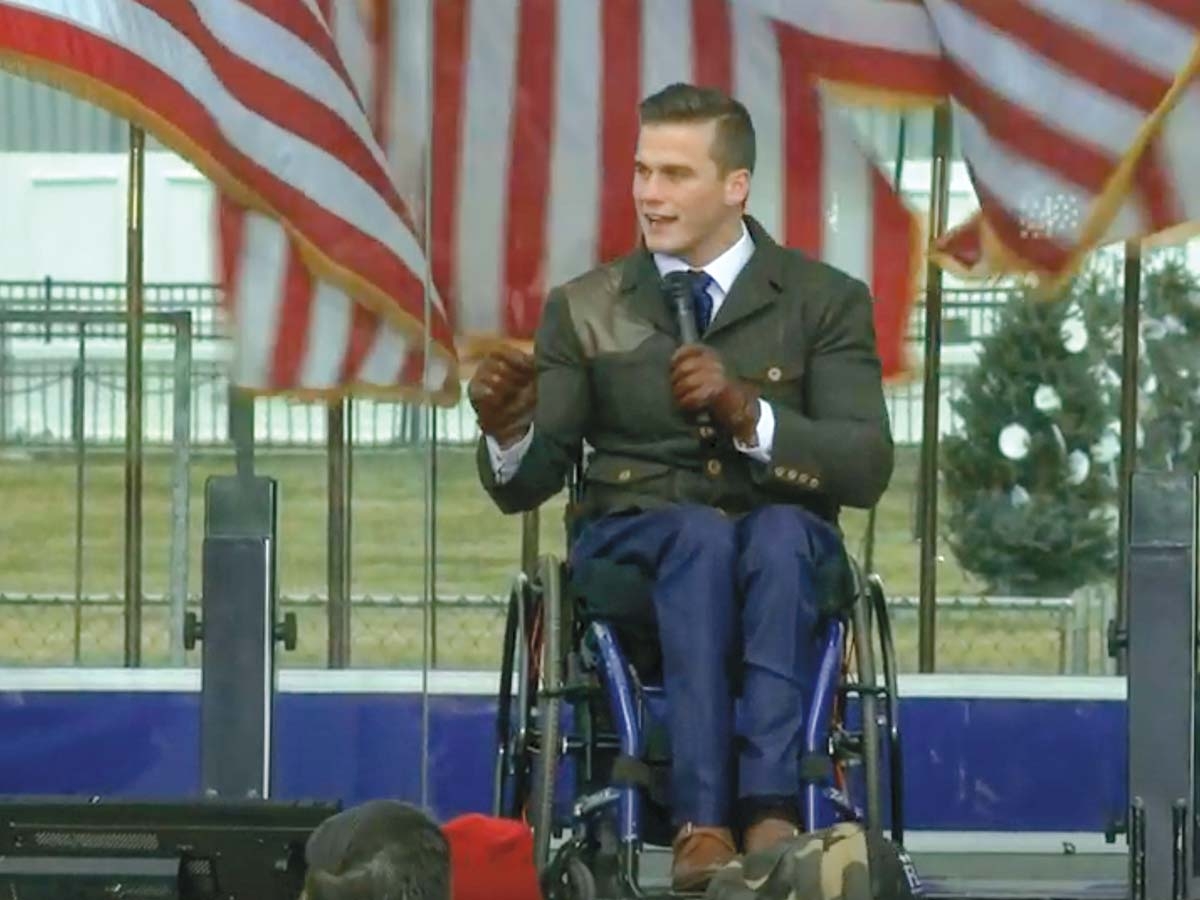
(767, 833)
(699, 854)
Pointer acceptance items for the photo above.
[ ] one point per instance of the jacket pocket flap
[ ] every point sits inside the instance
(623, 469)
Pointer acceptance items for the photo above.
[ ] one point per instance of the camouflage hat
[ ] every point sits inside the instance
(839, 863)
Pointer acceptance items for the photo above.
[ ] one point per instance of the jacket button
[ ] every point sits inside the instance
(780, 472)
(713, 467)
(814, 482)
(792, 475)
(774, 373)
(624, 475)
(706, 431)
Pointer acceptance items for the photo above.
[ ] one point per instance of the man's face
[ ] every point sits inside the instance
(686, 206)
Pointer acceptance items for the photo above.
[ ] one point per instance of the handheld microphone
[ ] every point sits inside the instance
(677, 286)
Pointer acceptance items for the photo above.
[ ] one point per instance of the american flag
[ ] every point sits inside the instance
(1079, 120)
(1076, 119)
(297, 334)
(255, 93)
(535, 125)
(533, 129)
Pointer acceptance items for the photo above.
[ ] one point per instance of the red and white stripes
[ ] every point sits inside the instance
(534, 133)
(256, 94)
(1056, 104)
(1078, 121)
(298, 334)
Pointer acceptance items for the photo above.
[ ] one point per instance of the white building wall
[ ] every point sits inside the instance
(63, 215)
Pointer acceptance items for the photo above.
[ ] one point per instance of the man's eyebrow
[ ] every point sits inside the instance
(669, 168)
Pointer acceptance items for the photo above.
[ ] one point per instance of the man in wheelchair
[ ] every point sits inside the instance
(718, 467)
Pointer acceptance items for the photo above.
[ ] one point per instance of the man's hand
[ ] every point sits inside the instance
(698, 381)
(503, 392)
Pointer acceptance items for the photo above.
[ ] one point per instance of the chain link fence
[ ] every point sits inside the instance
(62, 397)
(987, 635)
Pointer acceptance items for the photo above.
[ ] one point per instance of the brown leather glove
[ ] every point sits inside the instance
(699, 382)
(503, 392)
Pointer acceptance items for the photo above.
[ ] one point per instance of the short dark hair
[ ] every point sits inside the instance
(382, 850)
(733, 147)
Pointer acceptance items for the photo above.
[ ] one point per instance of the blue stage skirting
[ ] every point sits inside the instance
(982, 754)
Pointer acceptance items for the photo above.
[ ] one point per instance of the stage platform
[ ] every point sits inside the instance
(986, 875)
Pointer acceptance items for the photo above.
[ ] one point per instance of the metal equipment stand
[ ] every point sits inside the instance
(1160, 642)
(239, 634)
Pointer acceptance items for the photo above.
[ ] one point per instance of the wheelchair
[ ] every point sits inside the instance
(581, 747)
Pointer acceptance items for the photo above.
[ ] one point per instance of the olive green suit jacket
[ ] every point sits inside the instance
(799, 330)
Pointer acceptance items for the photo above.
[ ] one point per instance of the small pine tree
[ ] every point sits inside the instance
(1169, 363)
(1029, 509)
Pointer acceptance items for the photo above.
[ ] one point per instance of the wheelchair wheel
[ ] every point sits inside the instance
(876, 744)
(569, 878)
(891, 708)
(548, 589)
(868, 688)
(515, 704)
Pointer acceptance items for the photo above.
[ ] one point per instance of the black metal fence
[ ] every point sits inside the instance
(43, 381)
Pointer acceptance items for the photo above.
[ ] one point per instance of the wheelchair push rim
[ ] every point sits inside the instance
(512, 781)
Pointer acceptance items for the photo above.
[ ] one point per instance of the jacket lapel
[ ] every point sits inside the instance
(756, 286)
(641, 292)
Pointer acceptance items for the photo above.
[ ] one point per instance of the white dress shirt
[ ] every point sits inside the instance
(722, 270)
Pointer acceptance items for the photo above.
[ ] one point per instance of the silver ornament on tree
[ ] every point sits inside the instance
(1073, 333)
(1018, 496)
(1047, 399)
(1014, 441)
(1078, 467)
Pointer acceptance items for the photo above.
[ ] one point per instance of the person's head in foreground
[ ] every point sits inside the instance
(381, 850)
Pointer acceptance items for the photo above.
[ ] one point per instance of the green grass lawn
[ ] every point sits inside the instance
(477, 549)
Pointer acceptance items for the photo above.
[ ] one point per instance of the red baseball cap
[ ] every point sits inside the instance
(491, 859)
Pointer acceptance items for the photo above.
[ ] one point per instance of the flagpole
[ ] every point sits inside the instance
(428, 634)
(928, 484)
(873, 514)
(133, 397)
(337, 564)
(1130, 331)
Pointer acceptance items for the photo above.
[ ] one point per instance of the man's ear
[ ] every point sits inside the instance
(737, 187)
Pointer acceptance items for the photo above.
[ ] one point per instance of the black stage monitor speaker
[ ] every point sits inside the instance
(74, 848)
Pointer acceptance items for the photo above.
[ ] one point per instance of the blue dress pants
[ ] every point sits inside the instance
(730, 594)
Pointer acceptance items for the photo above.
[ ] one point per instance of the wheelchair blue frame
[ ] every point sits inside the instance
(629, 709)
(528, 754)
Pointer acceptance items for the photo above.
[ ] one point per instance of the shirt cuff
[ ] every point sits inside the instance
(764, 433)
(505, 461)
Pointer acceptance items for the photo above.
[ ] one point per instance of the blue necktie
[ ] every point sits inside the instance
(702, 299)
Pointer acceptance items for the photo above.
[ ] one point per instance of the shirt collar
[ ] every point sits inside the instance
(723, 270)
